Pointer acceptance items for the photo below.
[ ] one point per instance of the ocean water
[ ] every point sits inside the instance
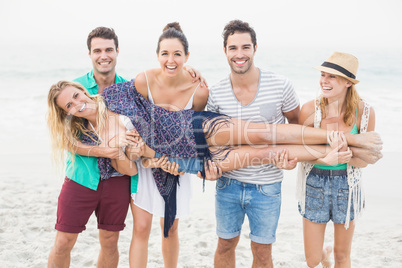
(28, 73)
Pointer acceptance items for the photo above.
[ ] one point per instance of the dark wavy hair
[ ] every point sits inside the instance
(102, 32)
(238, 26)
(171, 31)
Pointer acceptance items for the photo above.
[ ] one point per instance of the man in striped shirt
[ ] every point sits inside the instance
(255, 95)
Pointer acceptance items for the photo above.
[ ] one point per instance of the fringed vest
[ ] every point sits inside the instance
(354, 174)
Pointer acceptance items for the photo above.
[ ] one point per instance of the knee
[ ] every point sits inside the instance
(174, 229)
(226, 245)
(141, 231)
(312, 262)
(108, 239)
(64, 243)
(262, 253)
(341, 255)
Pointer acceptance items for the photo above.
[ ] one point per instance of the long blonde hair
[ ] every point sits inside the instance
(352, 100)
(66, 130)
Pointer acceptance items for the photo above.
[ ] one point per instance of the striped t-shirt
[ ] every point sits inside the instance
(275, 96)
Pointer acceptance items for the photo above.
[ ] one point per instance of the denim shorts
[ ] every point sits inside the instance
(327, 194)
(188, 165)
(260, 202)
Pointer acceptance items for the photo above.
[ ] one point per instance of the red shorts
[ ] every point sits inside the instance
(110, 203)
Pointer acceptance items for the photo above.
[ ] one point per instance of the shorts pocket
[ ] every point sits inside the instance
(221, 184)
(272, 190)
(314, 197)
(343, 196)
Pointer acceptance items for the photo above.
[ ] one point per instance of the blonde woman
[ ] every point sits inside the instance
(333, 190)
(75, 116)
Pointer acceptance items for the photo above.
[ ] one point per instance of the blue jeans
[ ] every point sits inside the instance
(188, 165)
(260, 202)
(327, 194)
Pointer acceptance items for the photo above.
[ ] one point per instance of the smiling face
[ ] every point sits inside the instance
(103, 55)
(74, 101)
(333, 86)
(240, 52)
(171, 56)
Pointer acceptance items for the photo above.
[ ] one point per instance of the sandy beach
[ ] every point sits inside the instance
(28, 202)
(45, 41)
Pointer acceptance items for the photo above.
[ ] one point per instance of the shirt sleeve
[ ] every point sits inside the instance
(290, 98)
(211, 105)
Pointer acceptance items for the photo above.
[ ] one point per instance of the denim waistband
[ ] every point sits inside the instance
(234, 181)
(328, 172)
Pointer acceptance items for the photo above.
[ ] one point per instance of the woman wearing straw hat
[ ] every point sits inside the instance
(328, 190)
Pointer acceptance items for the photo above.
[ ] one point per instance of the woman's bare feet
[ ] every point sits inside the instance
(326, 252)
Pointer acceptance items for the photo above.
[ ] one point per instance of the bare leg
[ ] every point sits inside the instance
(139, 242)
(262, 255)
(246, 155)
(343, 244)
(60, 254)
(244, 132)
(225, 256)
(109, 253)
(313, 241)
(170, 245)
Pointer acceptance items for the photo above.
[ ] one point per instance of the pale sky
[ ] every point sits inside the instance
(281, 22)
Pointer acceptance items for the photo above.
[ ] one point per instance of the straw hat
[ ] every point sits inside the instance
(341, 64)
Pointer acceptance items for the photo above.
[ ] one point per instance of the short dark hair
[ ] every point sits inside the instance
(102, 32)
(172, 31)
(238, 26)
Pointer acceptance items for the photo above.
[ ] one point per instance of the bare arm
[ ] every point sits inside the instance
(96, 151)
(200, 99)
(123, 165)
(358, 161)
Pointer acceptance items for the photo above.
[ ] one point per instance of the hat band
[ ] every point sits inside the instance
(338, 68)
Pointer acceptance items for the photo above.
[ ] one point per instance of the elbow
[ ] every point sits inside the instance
(363, 165)
(132, 172)
(128, 172)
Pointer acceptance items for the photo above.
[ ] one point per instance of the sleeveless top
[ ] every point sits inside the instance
(148, 197)
(354, 174)
(189, 104)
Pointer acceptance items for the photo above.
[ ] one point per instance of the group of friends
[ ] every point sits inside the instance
(136, 143)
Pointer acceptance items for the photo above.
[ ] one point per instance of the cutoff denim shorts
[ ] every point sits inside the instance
(188, 165)
(327, 194)
(260, 202)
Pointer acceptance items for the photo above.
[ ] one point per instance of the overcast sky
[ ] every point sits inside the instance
(281, 22)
